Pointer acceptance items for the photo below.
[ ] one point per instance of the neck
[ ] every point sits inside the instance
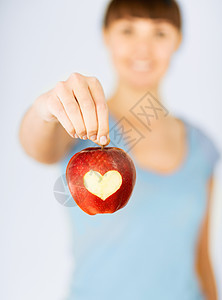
(126, 96)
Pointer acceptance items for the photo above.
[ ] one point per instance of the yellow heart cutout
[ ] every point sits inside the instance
(102, 186)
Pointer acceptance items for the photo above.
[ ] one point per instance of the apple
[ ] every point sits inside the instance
(101, 179)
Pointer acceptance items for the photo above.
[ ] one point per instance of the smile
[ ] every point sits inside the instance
(141, 66)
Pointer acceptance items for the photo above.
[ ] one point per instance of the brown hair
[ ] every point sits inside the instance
(155, 9)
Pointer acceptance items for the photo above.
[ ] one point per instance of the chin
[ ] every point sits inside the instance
(141, 82)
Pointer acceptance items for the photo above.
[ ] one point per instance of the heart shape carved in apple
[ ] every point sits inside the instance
(102, 186)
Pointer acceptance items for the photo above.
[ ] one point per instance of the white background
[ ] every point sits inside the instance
(43, 42)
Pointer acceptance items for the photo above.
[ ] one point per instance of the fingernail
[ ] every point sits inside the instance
(103, 140)
(85, 137)
(76, 136)
(93, 137)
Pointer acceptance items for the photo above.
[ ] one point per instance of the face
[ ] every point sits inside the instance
(141, 49)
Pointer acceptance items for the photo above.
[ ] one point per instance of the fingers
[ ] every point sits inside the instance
(98, 96)
(57, 109)
(79, 105)
(71, 106)
(86, 103)
(90, 96)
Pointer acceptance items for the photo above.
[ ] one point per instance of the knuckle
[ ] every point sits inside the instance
(60, 84)
(94, 80)
(92, 132)
(102, 106)
(81, 132)
(71, 130)
(76, 76)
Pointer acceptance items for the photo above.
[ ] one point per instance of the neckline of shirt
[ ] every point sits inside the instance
(157, 174)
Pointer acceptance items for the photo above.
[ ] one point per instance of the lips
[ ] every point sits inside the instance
(141, 66)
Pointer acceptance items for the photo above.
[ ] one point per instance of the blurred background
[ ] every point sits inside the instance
(43, 42)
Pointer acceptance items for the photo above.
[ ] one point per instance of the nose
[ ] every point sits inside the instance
(144, 47)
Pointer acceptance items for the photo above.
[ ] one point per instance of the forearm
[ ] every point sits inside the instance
(204, 265)
(204, 268)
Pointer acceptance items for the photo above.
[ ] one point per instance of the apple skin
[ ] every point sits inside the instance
(101, 160)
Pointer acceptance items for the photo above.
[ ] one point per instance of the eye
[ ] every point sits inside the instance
(127, 31)
(160, 33)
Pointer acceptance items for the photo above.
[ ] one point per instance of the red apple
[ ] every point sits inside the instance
(101, 180)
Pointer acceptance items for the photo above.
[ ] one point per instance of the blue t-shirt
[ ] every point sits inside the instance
(145, 250)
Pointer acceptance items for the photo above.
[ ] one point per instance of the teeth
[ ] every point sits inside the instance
(140, 65)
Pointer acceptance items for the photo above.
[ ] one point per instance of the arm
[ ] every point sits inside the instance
(203, 263)
(75, 106)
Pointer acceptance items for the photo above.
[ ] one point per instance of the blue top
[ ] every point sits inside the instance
(145, 250)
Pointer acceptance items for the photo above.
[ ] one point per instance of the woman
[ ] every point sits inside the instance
(157, 246)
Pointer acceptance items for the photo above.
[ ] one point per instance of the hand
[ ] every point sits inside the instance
(79, 105)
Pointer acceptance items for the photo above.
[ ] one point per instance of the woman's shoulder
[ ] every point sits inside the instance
(203, 142)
